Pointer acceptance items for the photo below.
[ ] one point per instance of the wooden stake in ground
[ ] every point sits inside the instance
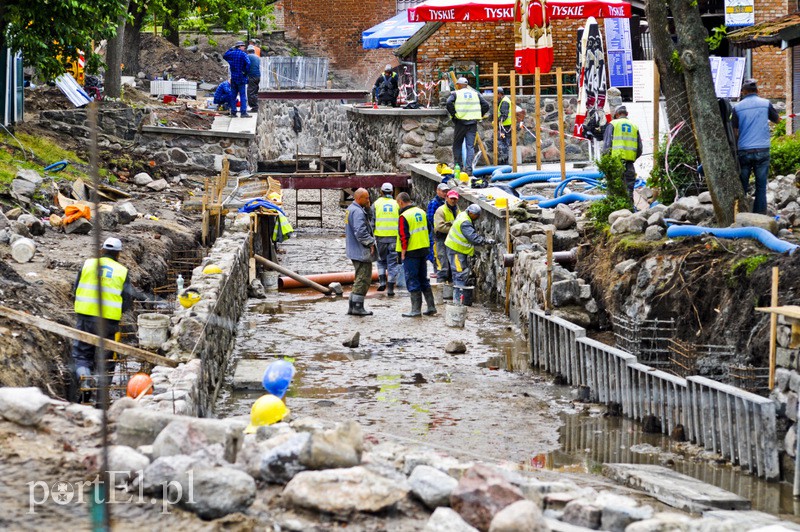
(494, 114)
(773, 329)
(508, 270)
(562, 140)
(513, 112)
(548, 298)
(538, 118)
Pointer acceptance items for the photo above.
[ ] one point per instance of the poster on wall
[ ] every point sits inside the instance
(643, 72)
(620, 52)
(727, 73)
(740, 13)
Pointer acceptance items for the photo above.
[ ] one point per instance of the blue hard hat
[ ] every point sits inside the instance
(277, 377)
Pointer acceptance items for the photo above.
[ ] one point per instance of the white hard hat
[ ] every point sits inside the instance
(462, 81)
(112, 244)
(474, 209)
(386, 187)
(388, 68)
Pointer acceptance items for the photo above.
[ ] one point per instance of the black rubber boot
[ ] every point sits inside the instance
(351, 306)
(416, 306)
(358, 307)
(381, 283)
(430, 302)
(390, 292)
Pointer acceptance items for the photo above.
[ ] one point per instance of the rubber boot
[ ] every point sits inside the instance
(358, 307)
(381, 283)
(430, 301)
(390, 292)
(352, 305)
(416, 305)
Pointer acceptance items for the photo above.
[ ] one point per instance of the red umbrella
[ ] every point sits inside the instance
(533, 46)
(503, 10)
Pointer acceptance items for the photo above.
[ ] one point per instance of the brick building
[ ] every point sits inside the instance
(333, 29)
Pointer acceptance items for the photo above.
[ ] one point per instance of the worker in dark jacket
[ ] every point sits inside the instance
(253, 78)
(115, 296)
(222, 96)
(386, 89)
(240, 67)
(360, 249)
(466, 107)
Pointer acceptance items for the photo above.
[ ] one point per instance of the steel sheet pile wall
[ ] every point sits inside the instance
(738, 425)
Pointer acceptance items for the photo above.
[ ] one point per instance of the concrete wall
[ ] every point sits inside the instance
(324, 124)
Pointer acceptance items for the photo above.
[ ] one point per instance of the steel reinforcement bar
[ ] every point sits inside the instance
(737, 424)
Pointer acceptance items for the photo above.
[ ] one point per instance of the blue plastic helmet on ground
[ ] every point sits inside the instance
(278, 377)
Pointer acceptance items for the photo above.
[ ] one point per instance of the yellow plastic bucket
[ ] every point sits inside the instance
(501, 203)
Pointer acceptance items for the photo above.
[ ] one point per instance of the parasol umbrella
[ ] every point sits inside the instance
(591, 114)
(503, 10)
(533, 45)
(390, 33)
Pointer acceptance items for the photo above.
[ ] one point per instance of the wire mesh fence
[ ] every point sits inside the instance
(279, 72)
(647, 339)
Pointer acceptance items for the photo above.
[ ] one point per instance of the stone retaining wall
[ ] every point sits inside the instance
(203, 335)
(785, 395)
(185, 151)
(324, 124)
(116, 121)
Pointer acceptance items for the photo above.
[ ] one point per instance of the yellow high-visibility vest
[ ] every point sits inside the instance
(448, 213)
(455, 238)
(468, 104)
(417, 230)
(625, 143)
(113, 275)
(387, 214)
(286, 227)
(507, 121)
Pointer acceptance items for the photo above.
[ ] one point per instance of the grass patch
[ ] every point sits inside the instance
(45, 152)
(750, 264)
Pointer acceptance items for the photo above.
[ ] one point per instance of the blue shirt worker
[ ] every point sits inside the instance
(222, 96)
(461, 242)
(386, 215)
(433, 206)
(442, 222)
(253, 78)
(413, 244)
(240, 67)
(623, 139)
(466, 107)
(360, 248)
(750, 121)
(115, 295)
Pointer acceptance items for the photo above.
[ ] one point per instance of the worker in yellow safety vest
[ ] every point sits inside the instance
(466, 107)
(99, 311)
(386, 213)
(503, 126)
(461, 242)
(623, 139)
(413, 243)
(442, 222)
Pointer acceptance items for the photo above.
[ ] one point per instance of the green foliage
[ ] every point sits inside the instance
(681, 162)
(45, 152)
(748, 264)
(718, 34)
(779, 130)
(784, 153)
(616, 192)
(204, 15)
(675, 62)
(50, 33)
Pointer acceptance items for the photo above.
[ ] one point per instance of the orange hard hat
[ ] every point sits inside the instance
(139, 384)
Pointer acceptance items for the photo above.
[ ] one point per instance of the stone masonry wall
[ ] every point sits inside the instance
(324, 123)
(786, 394)
(391, 142)
(183, 152)
(113, 121)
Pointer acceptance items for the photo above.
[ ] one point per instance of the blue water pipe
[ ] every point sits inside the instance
(540, 177)
(509, 176)
(486, 170)
(56, 167)
(570, 198)
(766, 238)
(535, 197)
(563, 184)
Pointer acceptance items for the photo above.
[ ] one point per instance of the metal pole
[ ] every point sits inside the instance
(538, 111)
(494, 115)
(562, 140)
(513, 112)
(104, 519)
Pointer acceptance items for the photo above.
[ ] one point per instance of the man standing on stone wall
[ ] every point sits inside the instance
(466, 106)
(239, 66)
(360, 248)
(253, 78)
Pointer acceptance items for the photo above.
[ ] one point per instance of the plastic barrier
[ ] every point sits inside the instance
(766, 238)
(570, 198)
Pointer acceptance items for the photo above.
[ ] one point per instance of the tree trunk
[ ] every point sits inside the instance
(672, 83)
(718, 163)
(170, 29)
(133, 40)
(112, 82)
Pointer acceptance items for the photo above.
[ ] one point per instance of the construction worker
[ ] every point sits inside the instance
(240, 67)
(386, 89)
(442, 222)
(503, 127)
(461, 242)
(434, 204)
(253, 78)
(623, 139)
(116, 297)
(413, 244)
(283, 228)
(386, 213)
(466, 106)
(360, 248)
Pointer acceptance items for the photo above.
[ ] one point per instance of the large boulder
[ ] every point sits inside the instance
(616, 215)
(751, 219)
(334, 448)
(431, 486)
(23, 406)
(125, 463)
(279, 462)
(140, 426)
(564, 217)
(583, 513)
(481, 493)
(162, 476)
(126, 212)
(142, 179)
(34, 225)
(217, 491)
(521, 515)
(344, 491)
(190, 435)
(447, 520)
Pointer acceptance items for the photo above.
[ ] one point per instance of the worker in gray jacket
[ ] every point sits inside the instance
(360, 248)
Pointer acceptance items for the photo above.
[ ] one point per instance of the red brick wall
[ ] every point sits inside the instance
(333, 29)
(486, 43)
(769, 62)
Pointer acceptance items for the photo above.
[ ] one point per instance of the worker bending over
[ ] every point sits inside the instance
(461, 242)
(386, 215)
(413, 244)
(442, 222)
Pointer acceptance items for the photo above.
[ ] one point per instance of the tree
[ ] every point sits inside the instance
(113, 81)
(718, 163)
(50, 34)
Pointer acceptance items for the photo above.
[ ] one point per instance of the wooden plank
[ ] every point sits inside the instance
(75, 334)
(538, 121)
(790, 311)
(494, 114)
(512, 88)
(773, 329)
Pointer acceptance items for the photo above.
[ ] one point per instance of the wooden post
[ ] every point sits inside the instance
(538, 112)
(548, 298)
(204, 231)
(773, 328)
(494, 114)
(513, 112)
(508, 270)
(656, 105)
(562, 140)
